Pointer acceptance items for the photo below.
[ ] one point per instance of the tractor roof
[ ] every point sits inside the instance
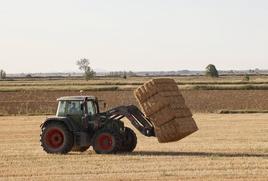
(76, 98)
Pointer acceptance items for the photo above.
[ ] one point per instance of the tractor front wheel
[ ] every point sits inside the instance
(129, 141)
(56, 138)
(106, 142)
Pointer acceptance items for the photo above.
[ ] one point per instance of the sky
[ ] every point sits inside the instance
(137, 35)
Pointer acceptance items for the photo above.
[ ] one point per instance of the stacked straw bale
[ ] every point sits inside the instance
(162, 102)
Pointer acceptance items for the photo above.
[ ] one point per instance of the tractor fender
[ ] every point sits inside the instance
(66, 121)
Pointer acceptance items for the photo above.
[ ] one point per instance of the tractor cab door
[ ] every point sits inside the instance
(91, 108)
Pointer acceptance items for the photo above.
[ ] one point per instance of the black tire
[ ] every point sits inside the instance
(56, 138)
(129, 141)
(80, 149)
(106, 142)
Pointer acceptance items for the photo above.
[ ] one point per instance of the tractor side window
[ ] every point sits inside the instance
(91, 108)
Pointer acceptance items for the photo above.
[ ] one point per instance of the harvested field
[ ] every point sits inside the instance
(36, 102)
(225, 147)
(190, 79)
(257, 82)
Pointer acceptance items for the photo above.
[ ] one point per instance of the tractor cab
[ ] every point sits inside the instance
(77, 107)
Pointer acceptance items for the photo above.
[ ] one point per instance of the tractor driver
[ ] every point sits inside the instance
(73, 109)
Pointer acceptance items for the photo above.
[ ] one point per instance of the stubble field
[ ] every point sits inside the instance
(233, 146)
(225, 147)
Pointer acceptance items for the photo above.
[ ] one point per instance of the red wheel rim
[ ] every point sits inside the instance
(105, 142)
(54, 138)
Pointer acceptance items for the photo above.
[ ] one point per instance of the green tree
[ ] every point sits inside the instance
(212, 71)
(2, 74)
(84, 65)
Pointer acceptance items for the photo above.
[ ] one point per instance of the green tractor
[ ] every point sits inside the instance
(79, 124)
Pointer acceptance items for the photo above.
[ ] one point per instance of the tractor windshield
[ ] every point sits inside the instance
(74, 108)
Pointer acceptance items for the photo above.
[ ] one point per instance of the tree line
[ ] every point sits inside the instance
(84, 65)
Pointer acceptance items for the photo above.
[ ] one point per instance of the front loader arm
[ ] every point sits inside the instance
(135, 116)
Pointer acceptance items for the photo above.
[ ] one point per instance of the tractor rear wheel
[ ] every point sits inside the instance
(106, 141)
(56, 138)
(129, 141)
